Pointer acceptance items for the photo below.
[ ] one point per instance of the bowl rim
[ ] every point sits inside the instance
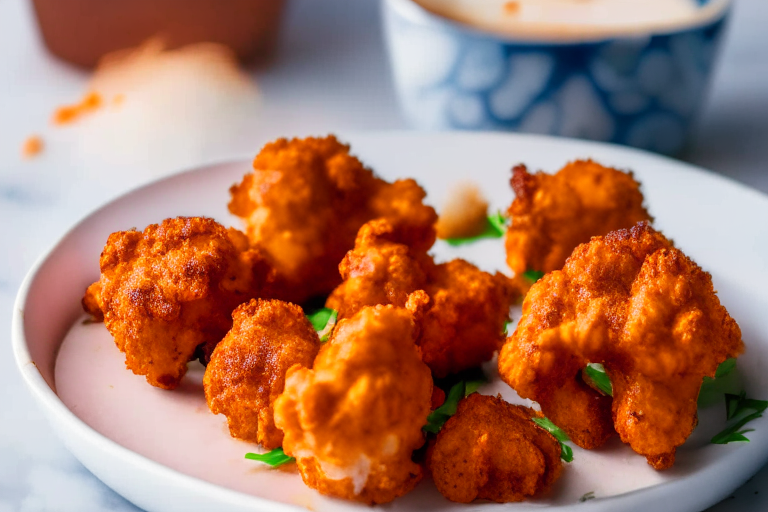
(417, 14)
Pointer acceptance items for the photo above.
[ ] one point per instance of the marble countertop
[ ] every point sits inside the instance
(330, 64)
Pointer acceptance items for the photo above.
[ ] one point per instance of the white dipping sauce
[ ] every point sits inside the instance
(568, 19)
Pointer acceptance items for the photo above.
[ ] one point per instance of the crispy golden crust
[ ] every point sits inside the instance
(491, 450)
(354, 419)
(381, 269)
(462, 315)
(464, 322)
(304, 203)
(247, 369)
(633, 302)
(553, 213)
(171, 288)
(92, 301)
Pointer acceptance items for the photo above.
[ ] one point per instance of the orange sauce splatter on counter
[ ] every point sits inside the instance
(70, 113)
(32, 146)
(511, 8)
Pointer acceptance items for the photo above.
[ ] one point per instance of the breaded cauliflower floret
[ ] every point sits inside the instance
(247, 369)
(355, 418)
(633, 302)
(465, 309)
(165, 291)
(381, 269)
(553, 213)
(463, 326)
(304, 203)
(491, 450)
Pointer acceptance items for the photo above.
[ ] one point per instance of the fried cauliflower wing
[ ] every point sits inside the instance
(465, 309)
(381, 269)
(553, 213)
(633, 302)
(463, 325)
(355, 418)
(165, 291)
(491, 450)
(304, 203)
(247, 369)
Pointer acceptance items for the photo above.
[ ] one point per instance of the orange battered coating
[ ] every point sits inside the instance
(355, 418)
(633, 302)
(463, 325)
(172, 288)
(466, 309)
(304, 203)
(553, 213)
(247, 370)
(381, 269)
(491, 450)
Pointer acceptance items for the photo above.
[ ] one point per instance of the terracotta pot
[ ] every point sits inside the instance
(82, 31)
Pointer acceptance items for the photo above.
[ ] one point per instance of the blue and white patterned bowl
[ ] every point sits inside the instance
(643, 91)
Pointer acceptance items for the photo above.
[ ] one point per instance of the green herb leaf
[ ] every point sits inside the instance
(725, 368)
(733, 432)
(323, 321)
(499, 223)
(725, 381)
(566, 453)
(595, 372)
(439, 416)
(495, 227)
(471, 386)
(588, 496)
(533, 275)
(736, 404)
(276, 457)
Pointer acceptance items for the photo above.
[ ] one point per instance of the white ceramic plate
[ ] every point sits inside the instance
(165, 451)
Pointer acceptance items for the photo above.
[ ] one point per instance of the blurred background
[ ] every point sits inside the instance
(72, 136)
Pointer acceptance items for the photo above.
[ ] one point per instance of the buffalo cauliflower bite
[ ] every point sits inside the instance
(633, 302)
(247, 369)
(491, 450)
(381, 269)
(463, 325)
(165, 291)
(304, 203)
(553, 213)
(355, 418)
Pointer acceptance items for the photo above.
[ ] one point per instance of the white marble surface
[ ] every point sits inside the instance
(331, 74)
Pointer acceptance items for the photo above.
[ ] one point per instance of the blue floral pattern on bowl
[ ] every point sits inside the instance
(639, 91)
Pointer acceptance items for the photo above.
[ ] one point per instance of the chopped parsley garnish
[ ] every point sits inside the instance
(724, 369)
(506, 327)
(595, 372)
(588, 496)
(276, 457)
(439, 416)
(735, 405)
(323, 321)
(495, 227)
(566, 453)
(533, 275)
(725, 381)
